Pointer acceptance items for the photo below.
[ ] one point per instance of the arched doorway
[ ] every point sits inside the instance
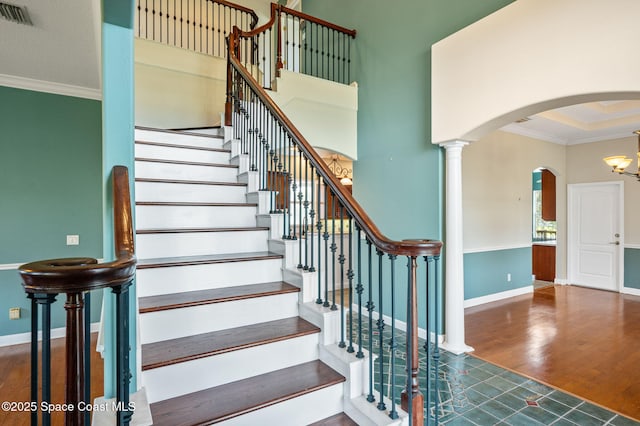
(529, 57)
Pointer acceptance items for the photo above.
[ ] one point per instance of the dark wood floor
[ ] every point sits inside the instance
(15, 379)
(583, 341)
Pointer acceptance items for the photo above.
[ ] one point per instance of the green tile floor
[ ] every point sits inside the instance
(475, 392)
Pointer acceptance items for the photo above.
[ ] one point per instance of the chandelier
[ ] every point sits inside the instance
(619, 163)
(341, 172)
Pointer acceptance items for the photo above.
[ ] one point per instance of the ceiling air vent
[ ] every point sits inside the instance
(17, 14)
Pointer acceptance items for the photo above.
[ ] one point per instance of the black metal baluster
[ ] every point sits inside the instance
(221, 37)
(44, 300)
(325, 236)
(409, 384)
(139, 21)
(350, 275)
(146, 18)
(300, 206)
(319, 229)
(348, 61)
(436, 349)
(370, 309)
(381, 405)
(123, 373)
(341, 259)
(333, 252)
(332, 55)
(290, 190)
(312, 215)
(306, 213)
(427, 343)
(392, 343)
(294, 188)
(359, 289)
(34, 358)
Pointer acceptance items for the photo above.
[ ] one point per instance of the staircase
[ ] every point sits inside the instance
(220, 321)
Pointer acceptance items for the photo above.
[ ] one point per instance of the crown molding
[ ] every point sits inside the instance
(50, 87)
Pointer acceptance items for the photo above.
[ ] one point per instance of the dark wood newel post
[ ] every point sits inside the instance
(417, 399)
(75, 375)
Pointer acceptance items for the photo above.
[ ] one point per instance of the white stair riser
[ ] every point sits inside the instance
(155, 281)
(150, 246)
(177, 138)
(157, 191)
(149, 169)
(303, 410)
(181, 154)
(169, 217)
(186, 377)
(174, 323)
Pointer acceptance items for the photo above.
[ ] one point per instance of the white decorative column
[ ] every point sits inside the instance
(454, 268)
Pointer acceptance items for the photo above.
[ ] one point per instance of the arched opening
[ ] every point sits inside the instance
(529, 61)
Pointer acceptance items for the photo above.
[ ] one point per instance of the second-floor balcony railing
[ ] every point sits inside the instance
(289, 40)
(198, 25)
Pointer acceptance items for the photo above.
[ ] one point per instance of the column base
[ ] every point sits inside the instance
(456, 349)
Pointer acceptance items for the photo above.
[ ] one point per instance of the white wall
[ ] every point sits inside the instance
(531, 56)
(326, 113)
(496, 192)
(584, 164)
(177, 88)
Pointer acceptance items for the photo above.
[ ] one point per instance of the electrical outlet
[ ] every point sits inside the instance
(73, 240)
(14, 313)
(508, 278)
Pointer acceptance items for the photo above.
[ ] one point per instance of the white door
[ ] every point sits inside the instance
(595, 235)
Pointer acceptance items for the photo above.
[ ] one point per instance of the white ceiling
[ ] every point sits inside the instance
(582, 123)
(62, 46)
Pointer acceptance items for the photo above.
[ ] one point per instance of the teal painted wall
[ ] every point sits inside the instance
(398, 177)
(118, 119)
(632, 268)
(50, 184)
(486, 272)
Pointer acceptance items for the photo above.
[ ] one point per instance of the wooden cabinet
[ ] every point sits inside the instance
(544, 262)
(548, 196)
(333, 205)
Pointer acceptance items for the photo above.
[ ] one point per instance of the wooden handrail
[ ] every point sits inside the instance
(309, 18)
(412, 248)
(254, 16)
(85, 274)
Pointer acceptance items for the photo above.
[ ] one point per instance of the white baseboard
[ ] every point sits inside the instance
(497, 296)
(16, 339)
(630, 290)
(561, 281)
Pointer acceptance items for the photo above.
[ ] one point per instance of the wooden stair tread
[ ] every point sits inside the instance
(180, 132)
(209, 296)
(233, 399)
(193, 204)
(340, 419)
(175, 145)
(205, 259)
(167, 352)
(188, 230)
(186, 163)
(189, 182)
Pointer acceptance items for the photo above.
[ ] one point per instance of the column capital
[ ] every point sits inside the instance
(454, 144)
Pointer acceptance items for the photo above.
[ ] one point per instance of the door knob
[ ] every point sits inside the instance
(617, 243)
